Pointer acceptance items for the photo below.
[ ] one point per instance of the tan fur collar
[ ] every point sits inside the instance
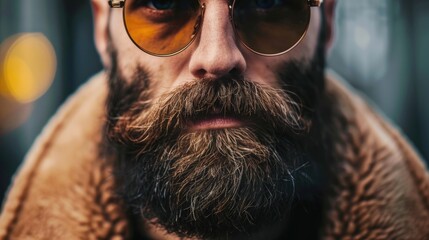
(63, 190)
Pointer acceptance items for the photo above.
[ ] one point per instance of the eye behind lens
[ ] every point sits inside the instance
(265, 4)
(162, 27)
(162, 4)
(271, 27)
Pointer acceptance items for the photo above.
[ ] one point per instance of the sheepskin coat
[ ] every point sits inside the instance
(64, 191)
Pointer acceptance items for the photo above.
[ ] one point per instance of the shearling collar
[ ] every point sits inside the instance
(379, 189)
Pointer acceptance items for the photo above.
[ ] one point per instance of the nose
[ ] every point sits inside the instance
(216, 53)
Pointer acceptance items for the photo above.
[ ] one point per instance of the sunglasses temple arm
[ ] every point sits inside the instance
(315, 3)
(116, 3)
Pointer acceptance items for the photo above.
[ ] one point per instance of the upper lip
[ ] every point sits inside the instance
(212, 116)
(215, 113)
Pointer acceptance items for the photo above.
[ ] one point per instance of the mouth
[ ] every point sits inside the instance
(215, 122)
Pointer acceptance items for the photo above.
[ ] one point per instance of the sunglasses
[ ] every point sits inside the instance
(168, 27)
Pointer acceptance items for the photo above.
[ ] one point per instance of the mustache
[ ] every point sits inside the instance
(269, 109)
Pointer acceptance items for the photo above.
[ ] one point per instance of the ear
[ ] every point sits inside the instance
(329, 9)
(101, 12)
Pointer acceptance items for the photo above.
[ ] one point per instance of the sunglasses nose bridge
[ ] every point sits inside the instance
(202, 17)
(202, 4)
(216, 51)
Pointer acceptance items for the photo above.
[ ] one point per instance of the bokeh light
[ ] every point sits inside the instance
(27, 67)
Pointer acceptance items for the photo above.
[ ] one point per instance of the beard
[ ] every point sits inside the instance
(216, 183)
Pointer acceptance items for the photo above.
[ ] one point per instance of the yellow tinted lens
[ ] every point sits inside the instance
(271, 26)
(161, 27)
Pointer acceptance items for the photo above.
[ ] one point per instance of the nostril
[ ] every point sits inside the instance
(201, 73)
(216, 73)
(235, 71)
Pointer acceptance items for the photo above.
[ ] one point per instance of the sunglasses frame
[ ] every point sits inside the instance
(121, 4)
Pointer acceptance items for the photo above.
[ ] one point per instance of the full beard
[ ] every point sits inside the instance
(216, 183)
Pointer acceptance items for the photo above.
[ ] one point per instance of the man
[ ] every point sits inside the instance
(220, 124)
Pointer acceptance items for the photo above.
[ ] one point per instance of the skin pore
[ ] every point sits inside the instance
(144, 87)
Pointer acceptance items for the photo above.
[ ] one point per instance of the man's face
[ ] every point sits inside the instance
(217, 140)
(215, 53)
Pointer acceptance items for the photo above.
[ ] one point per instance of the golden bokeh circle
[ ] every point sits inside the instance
(28, 65)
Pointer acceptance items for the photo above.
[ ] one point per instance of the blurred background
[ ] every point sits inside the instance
(381, 49)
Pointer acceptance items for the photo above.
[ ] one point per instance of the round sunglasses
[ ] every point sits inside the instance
(168, 27)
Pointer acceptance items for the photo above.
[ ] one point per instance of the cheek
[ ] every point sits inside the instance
(307, 47)
(130, 57)
(265, 71)
(127, 52)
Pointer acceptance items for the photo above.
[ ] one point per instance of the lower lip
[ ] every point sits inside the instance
(216, 123)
